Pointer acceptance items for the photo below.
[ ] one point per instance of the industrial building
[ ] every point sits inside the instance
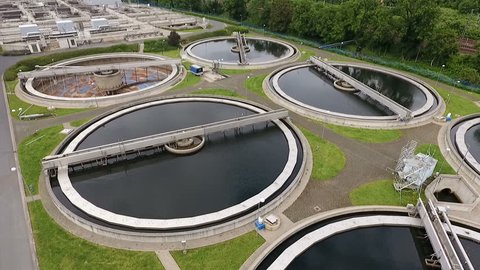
(36, 26)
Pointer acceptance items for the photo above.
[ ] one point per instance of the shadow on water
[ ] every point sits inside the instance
(447, 195)
(229, 169)
(472, 139)
(371, 248)
(260, 50)
(317, 90)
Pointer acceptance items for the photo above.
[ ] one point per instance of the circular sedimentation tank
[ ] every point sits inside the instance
(368, 240)
(260, 52)
(220, 184)
(101, 88)
(319, 96)
(463, 139)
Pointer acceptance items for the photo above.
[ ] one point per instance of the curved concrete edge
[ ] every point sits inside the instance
(259, 255)
(384, 122)
(462, 145)
(331, 229)
(294, 54)
(256, 258)
(301, 245)
(172, 240)
(147, 223)
(429, 93)
(452, 156)
(31, 95)
(278, 90)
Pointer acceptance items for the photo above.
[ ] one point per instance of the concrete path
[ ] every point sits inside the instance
(167, 260)
(33, 198)
(364, 162)
(16, 242)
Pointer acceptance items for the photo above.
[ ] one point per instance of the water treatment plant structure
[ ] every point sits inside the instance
(373, 97)
(240, 136)
(106, 178)
(90, 176)
(239, 51)
(162, 171)
(99, 80)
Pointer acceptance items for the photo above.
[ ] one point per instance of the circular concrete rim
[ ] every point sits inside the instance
(450, 151)
(372, 122)
(331, 229)
(178, 223)
(462, 147)
(292, 55)
(148, 241)
(37, 97)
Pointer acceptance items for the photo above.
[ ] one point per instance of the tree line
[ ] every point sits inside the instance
(420, 30)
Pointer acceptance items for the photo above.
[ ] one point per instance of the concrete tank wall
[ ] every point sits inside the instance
(108, 81)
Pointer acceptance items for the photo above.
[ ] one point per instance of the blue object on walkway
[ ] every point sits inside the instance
(260, 226)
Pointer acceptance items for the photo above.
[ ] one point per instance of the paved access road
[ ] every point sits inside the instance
(16, 243)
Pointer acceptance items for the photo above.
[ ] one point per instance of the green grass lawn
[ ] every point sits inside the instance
(15, 103)
(305, 55)
(434, 151)
(381, 192)
(189, 81)
(255, 84)
(77, 123)
(58, 249)
(170, 53)
(234, 71)
(457, 104)
(366, 135)
(227, 255)
(328, 159)
(217, 92)
(31, 151)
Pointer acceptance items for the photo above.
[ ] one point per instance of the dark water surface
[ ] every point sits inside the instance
(472, 138)
(260, 50)
(228, 170)
(399, 90)
(373, 248)
(311, 87)
(446, 195)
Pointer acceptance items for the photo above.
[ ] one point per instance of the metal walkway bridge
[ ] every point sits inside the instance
(66, 70)
(241, 44)
(448, 248)
(121, 149)
(401, 111)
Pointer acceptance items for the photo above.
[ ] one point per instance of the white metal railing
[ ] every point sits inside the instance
(446, 252)
(147, 142)
(400, 110)
(65, 70)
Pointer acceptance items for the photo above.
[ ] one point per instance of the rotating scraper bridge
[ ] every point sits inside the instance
(242, 47)
(58, 165)
(402, 112)
(99, 80)
(60, 70)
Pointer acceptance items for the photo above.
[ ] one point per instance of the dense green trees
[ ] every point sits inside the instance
(419, 30)
(173, 39)
(237, 9)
